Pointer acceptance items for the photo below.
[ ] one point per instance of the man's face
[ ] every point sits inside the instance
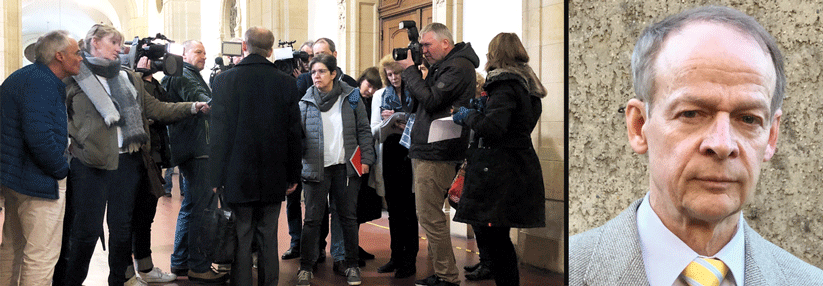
(71, 58)
(711, 126)
(434, 50)
(323, 48)
(196, 55)
(309, 51)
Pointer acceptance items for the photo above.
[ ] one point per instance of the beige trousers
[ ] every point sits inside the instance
(432, 180)
(32, 232)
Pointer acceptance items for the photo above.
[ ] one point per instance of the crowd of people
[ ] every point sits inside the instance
(257, 136)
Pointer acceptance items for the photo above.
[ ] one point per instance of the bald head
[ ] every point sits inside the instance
(258, 40)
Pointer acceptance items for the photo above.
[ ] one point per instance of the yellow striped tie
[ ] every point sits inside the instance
(705, 272)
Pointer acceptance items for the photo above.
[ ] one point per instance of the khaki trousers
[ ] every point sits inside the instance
(432, 180)
(32, 233)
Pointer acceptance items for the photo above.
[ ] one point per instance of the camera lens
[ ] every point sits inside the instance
(400, 54)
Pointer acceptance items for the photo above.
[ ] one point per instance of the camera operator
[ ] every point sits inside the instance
(307, 48)
(322, 46)
(450, 83)
(189, 145)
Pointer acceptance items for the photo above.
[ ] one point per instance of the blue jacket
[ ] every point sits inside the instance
(34, 134)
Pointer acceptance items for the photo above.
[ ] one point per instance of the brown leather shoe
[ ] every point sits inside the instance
(208, 277)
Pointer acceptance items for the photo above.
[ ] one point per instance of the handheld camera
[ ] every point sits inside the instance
(399, 54)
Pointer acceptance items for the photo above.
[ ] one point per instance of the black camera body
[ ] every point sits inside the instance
(286, 59)
(414, 46)
(158, 54)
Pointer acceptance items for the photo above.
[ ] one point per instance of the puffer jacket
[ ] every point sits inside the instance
(356, 132)
(33, 131)
(189, 137)
(450, 83)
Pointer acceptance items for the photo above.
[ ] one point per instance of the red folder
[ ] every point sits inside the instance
(355, 162)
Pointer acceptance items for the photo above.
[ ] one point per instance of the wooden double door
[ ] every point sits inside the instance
(392, 12)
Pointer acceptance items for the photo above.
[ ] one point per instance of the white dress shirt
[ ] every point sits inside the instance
(665, 255)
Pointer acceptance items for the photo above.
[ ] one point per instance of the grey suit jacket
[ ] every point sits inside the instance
(610, 255)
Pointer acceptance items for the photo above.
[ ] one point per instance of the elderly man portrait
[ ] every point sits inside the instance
(709, 85)
(35, 137)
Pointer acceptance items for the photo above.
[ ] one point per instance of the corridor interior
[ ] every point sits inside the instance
(374, 238)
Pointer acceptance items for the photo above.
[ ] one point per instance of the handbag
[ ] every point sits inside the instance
(156, 180)
(456, 190)
(218, 239)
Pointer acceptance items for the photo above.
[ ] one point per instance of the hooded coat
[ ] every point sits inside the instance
(504, 183)
(451, 82)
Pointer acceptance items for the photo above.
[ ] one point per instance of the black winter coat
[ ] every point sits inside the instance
(188, 137)
(450, 82)
(504, 183)
(256, 145)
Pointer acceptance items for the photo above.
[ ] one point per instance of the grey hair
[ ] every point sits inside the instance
(49, 44)
(307, 44)
(440, 30)
(99, 31)
(651, 41)
(259, 41)
(188, 45)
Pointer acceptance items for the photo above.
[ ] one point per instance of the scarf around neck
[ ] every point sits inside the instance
(326, 100)
(120, 107)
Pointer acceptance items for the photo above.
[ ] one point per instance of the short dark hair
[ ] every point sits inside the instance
(328, 60)
(259, 40)
(651, 42)
(372, 75)
(506, 50)
(328, 42)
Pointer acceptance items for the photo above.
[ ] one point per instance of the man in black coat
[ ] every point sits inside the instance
(255, 152)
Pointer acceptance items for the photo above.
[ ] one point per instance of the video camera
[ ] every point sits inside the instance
(414, 46)
(285, 58)
(159, 55)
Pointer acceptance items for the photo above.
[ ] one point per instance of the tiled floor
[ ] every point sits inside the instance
(374, 238)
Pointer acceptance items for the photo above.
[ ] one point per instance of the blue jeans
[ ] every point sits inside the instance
(342, 191)
(338, 249)
(186, 254)
(294, 216)
(93, 189)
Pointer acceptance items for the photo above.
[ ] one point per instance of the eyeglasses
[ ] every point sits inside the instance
(321, 71)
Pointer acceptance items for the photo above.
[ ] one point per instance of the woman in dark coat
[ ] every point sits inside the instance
(503, 183)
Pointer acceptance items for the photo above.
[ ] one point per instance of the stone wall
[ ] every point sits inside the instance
(605, 175)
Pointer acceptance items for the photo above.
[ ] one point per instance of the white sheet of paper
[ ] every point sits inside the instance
(444, 129)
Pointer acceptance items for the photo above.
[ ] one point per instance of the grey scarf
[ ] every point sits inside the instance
(120, 107)
(326, 100)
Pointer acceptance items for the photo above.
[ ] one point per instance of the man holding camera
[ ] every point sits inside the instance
(450, 83)
(189, 151)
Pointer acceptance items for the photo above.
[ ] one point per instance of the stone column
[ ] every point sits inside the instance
(358, 43)
(11, 51)
(450, 13)
(182, 19)
(543, 36)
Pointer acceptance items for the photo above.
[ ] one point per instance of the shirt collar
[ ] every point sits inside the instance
(665, 255)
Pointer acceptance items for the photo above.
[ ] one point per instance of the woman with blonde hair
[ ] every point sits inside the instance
(108, 110)
(503, 184)
(393, 173)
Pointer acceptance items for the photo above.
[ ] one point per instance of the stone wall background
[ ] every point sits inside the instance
(605, 175)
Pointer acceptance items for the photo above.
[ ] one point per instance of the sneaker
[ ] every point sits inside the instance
(304, 278)
(156, 275)
(433, 281)
(353, 275)
(135, 281)
(208, 277)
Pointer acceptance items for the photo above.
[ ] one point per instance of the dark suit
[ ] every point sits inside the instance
(611, 255)
(255, 154)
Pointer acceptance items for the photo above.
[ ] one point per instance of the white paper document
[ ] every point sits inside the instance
(444, 129)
